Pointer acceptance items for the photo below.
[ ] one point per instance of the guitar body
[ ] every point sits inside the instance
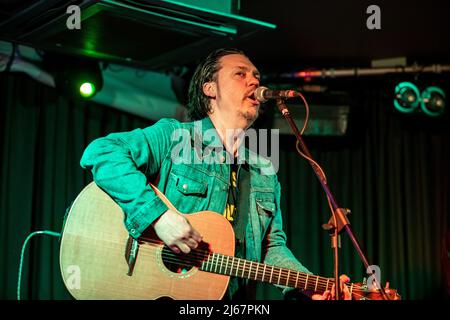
(94, 266)
(100, 261)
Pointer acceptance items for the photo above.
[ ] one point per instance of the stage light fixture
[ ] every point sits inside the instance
(85, 79)
(433, 101)
(407, 97)
(76, 77)
(87, 90)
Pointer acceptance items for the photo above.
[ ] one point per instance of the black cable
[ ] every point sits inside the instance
(11, 58)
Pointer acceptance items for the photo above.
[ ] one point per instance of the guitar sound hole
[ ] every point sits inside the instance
(177, 263)
(181, 263)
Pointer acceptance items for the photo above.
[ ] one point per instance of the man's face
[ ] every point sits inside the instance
(236, 82)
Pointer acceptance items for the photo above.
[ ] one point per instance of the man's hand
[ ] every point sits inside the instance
(330, 295)
(176, 232)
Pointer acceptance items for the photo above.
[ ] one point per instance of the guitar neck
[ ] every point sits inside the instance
(232, 266)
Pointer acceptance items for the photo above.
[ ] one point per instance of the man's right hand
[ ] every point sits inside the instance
(176, 232)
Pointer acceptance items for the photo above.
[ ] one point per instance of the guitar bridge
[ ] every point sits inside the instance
(131, 252)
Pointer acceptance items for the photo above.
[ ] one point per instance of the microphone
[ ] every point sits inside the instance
(262, 94)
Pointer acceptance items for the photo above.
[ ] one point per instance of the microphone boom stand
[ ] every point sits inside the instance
(338, 221)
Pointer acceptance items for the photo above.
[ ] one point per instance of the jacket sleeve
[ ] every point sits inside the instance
(121, 164)
(275, 251)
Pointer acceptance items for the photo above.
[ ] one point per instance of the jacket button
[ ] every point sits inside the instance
(185, 186)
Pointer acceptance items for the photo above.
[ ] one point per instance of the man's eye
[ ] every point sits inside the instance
(241, 74)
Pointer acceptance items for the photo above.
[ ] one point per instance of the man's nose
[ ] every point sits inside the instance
(254, 81)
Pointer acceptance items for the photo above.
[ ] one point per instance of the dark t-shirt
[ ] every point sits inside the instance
(236, 212)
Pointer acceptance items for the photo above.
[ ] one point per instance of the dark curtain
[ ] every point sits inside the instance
(43, 138)
(391, 171)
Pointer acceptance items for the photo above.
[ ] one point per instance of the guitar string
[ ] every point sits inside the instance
(182, 259)
(354, 293)
(325, 285)
(201, 255)
(245, 269)
(204, 254)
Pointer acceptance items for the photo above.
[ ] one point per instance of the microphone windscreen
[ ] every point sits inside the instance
(259, 94)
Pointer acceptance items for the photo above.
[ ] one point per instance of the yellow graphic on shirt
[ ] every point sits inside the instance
(230, 207)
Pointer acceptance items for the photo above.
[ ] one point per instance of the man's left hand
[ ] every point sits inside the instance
(330, 295)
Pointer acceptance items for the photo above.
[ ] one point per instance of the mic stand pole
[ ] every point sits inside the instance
(338, 221)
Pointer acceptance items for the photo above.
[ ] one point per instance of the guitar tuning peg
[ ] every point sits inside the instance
(386, 288)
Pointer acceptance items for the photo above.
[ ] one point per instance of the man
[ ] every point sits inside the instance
(196, 178)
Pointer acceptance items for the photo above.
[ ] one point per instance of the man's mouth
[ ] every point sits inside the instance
(253, 99)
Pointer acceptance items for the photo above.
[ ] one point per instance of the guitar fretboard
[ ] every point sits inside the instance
(232, 266)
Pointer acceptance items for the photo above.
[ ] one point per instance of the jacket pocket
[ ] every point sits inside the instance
(265, 208)
(189, 186)
(187, 193)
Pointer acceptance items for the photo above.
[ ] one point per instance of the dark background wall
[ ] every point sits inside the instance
(392, 171)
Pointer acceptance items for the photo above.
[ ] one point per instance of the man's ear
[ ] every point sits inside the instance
(209, 89)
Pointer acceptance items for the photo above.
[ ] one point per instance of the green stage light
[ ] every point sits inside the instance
(75, 77)
(433, 101)
(407, 97)
(87, 89)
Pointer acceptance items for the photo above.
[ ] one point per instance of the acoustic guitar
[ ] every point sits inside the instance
(99, 260)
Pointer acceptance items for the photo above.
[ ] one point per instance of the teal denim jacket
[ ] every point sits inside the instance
(123, 163)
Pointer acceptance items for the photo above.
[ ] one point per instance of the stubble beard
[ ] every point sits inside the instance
(249, 116)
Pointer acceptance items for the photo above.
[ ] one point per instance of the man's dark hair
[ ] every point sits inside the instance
(198, 103)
